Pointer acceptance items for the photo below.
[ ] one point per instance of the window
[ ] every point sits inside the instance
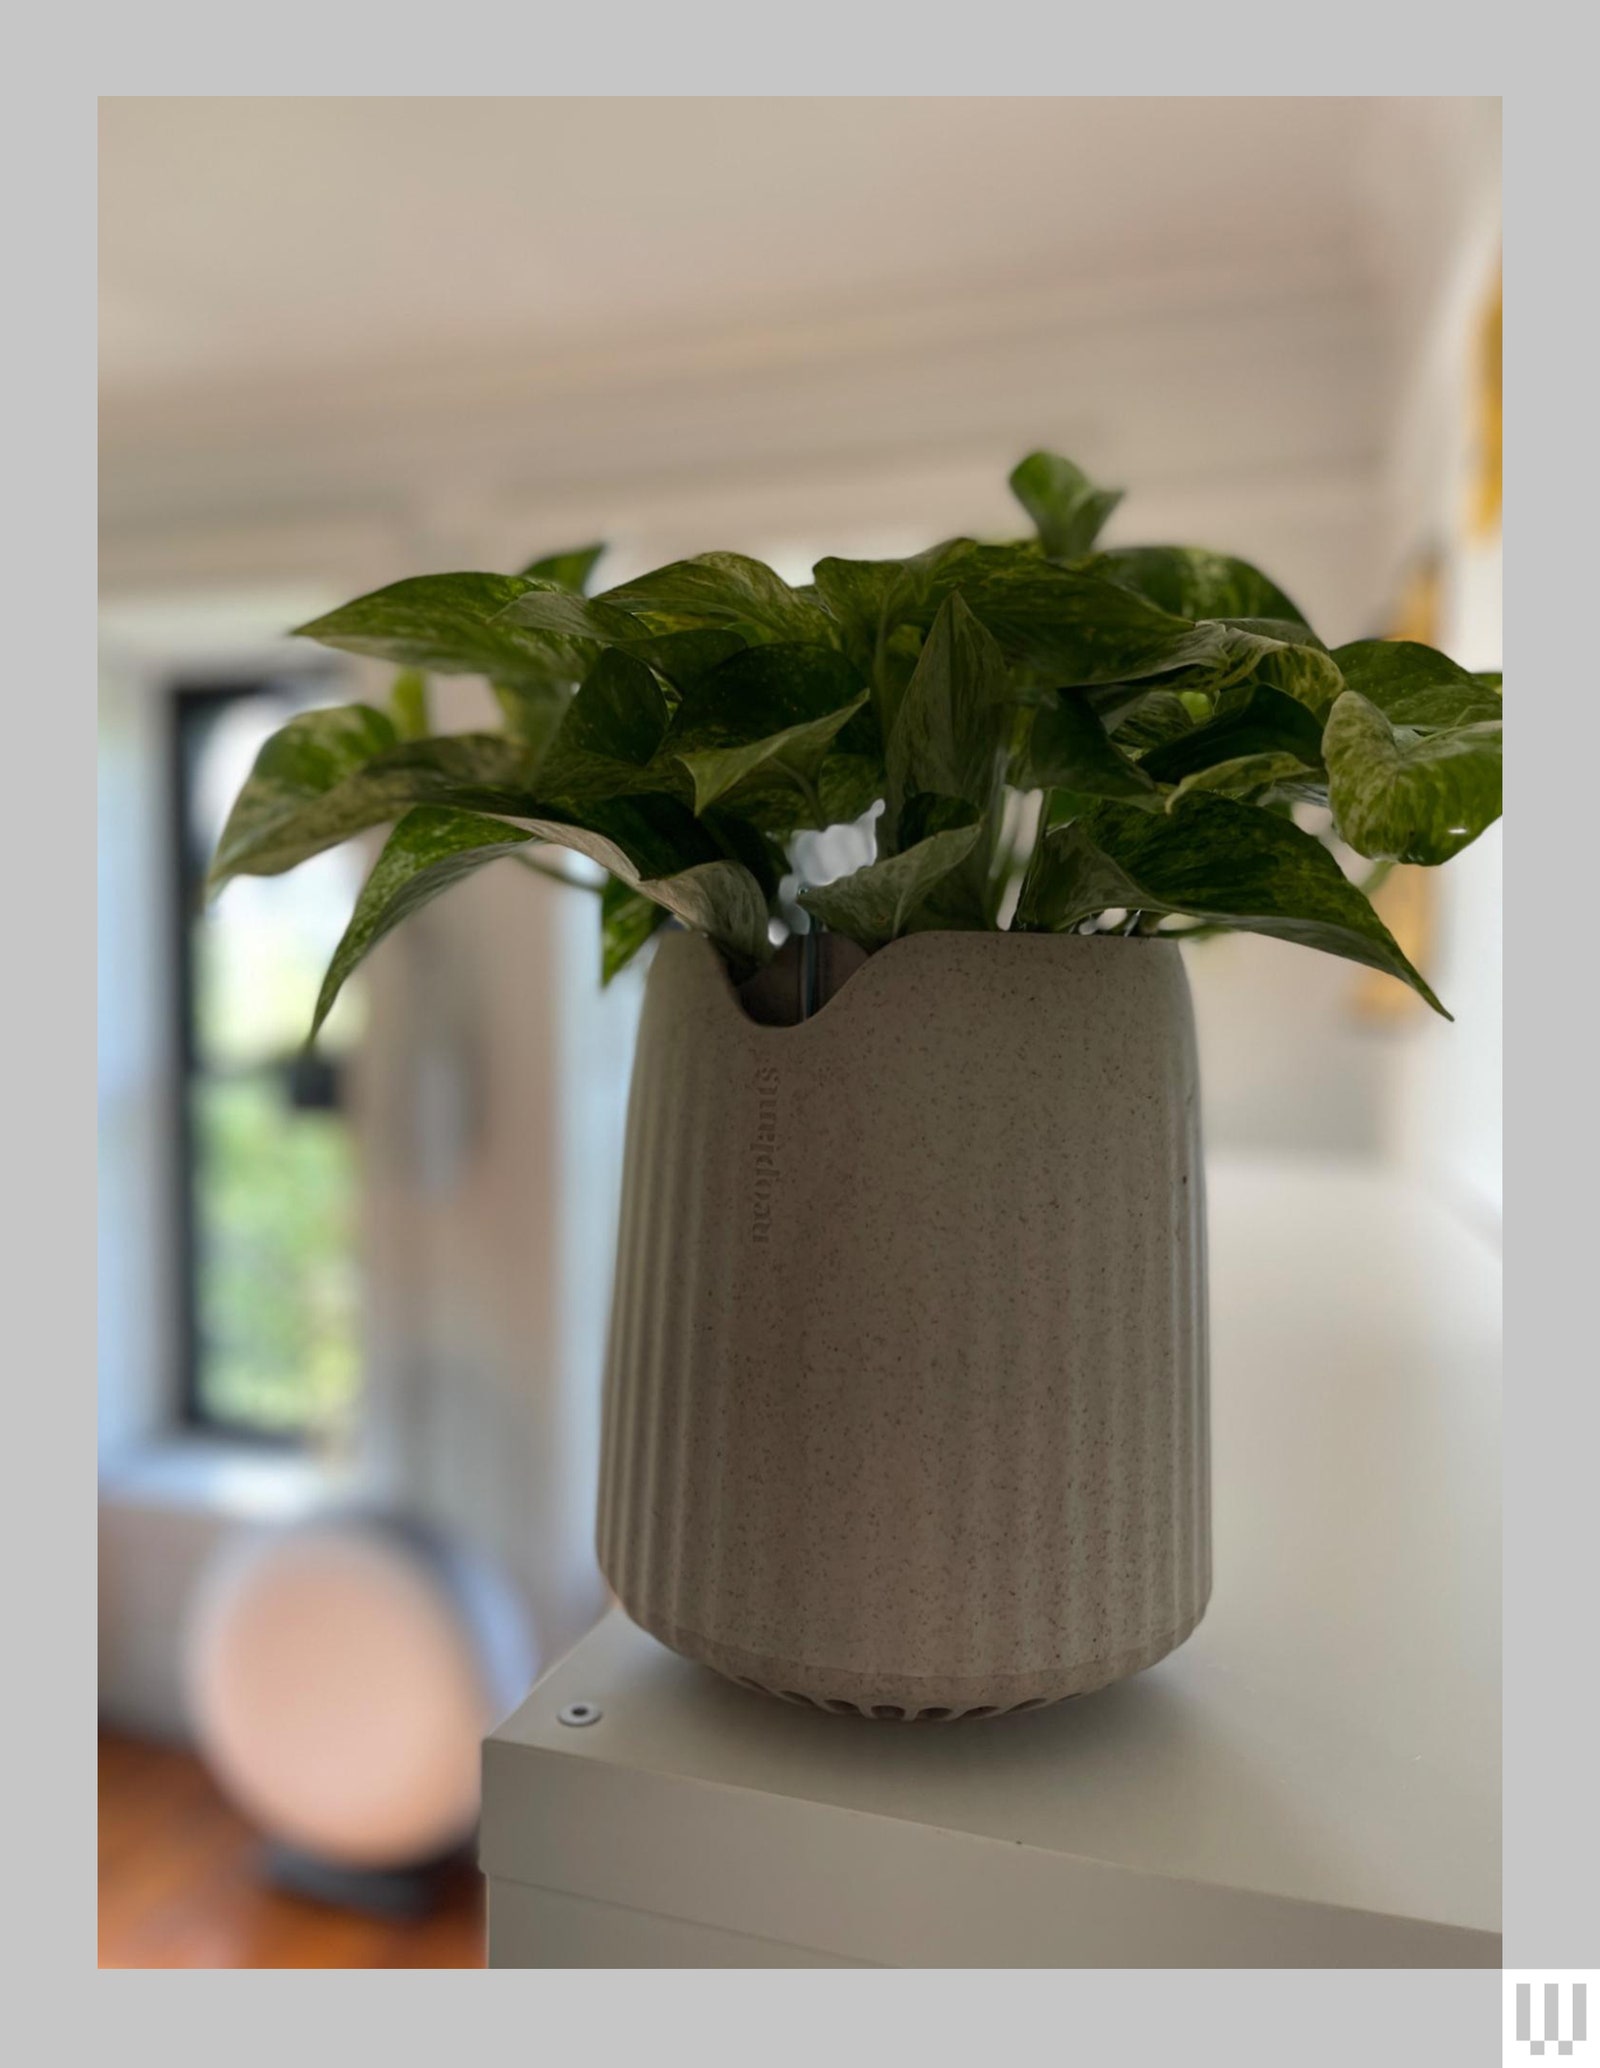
(269, 1280)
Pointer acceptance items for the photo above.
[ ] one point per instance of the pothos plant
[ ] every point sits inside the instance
(1044, 737)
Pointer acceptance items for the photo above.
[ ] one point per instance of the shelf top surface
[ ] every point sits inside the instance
(1331, 1731)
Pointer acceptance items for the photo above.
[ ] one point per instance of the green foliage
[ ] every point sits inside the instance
(1252, 719)
(408, 704)
(1414, 685)
(296, 804)
(755, 733)
(1171, 704)
(627, 920)
(568, 570)
(454, 624)
(1211, 859)
(427, 852)
(294, 773)
(1192, 583)
(1069, 749)
(877, 902)
(1402, 795)
(279, 1300)
(951, 723)
(1066, 507)
(725, 589)
(607, 736)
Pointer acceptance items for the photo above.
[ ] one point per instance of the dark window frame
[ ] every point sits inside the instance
(187, 700)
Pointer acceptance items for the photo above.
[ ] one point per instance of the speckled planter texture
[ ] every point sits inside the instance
(906, 1403)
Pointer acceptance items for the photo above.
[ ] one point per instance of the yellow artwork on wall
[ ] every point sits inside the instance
(1406, 898)
(1483, 516)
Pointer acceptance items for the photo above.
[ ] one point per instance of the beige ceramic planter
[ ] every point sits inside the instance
(906, 1398)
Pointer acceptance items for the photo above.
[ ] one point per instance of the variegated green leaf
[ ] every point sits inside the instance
(953, 718)
(451, 624)
(794, 757)
(964, 898)
(721, 899)
(568, 570)
(1150, 719)
(608, 742)
(628, 919)
(1304, 670)
(681, 658)
(432, 848)
(1408, 796)
(848, 785)
(1078, 628)
(1068, 748)
(428, 851)
(874, 905)
(634, 837)
(678, 655)
(736, 839)
(1229, 864)
(1252, 777)
(533, 712)
(756, 732)
(408, 705)
(1066, 507)
(869, 599)
(653, 841)
(557, 612)
(618, 712)
(1414, 685)
(297, 767)
(1247, 651)
(726, 589)
(281, 818)
(1191, 582)
(1254, 719)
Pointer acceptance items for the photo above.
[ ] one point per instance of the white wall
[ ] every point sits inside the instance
(1443, 1108)
(492, 1110)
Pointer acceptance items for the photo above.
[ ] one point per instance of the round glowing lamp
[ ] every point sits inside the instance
(341, 1676)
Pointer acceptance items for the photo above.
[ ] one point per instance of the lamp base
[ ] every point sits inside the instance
(392, 1893)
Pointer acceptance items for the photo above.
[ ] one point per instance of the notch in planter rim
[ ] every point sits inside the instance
(794, 1001)
(1039, 735)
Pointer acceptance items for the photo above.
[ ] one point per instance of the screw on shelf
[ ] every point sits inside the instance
(577, 1714)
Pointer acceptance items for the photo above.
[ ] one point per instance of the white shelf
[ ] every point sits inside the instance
(1313, 1780)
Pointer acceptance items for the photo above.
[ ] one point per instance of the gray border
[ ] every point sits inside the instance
(1552, 1419)
(1550, 1441)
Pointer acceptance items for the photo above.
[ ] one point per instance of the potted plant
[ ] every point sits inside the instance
(906, 1404)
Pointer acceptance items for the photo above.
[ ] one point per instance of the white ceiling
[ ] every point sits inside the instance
(243, 238)
(342, 338)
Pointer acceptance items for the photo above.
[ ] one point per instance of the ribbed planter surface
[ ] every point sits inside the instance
(906, 1400)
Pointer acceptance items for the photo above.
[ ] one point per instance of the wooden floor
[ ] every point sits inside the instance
(180, 1885)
